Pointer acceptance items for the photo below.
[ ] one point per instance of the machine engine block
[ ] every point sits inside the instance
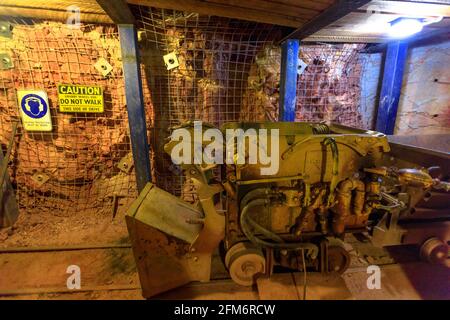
(331, 180)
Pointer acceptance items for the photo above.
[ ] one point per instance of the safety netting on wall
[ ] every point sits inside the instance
(74, 167)
(229, 70)
(226, 70)
(329, 89)
(209, 81)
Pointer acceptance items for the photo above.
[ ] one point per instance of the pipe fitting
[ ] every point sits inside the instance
(343, 207)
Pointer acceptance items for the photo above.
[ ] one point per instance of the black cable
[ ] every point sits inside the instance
(244, 220)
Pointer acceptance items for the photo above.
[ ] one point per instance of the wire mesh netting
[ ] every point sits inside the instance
(329, 88)
(214, 57)
(73, 167)
(229, 70)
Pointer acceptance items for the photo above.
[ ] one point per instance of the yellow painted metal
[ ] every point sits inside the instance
(329, 181)
(80, 98)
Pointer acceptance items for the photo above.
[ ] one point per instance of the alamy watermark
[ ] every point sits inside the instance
(374, 280)
(73, 21)
(241, 147)
(74, 280)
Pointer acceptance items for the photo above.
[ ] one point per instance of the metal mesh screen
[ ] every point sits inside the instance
(214, 58)
(74, 167)
(229, 70)
(329, 88)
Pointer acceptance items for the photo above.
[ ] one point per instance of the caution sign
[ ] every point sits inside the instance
(79, 98)
(34, 110)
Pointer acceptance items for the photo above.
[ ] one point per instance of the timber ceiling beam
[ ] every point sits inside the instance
(117, 10)
(337, 11)
(231, 9)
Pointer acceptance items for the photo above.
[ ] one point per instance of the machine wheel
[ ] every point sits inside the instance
(434, 251)
(244, 262)
(338, 257)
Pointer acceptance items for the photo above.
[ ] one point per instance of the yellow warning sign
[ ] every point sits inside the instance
(79, 98)
(34, 110)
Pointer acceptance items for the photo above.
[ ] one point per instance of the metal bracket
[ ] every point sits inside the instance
(171, 60)
(141, 35)
(301, 66)
(5, 29)
(126, 163)
(103, 66)
(40, 178)
(115, 203)
(387, 232)
(6, 61)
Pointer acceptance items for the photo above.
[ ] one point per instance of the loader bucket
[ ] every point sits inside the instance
(162, 228)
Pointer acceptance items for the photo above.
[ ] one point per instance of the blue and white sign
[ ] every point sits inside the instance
(34, 110)
(34, 106)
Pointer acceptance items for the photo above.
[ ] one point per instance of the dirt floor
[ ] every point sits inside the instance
(45, 228)
(110, 273)
(35, 254)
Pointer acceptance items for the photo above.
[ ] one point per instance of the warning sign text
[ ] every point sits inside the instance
(79, 98)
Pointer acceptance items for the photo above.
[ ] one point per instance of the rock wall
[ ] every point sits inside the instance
(370, 88)
(228, 71)
(80, 156)
(328, 90)
(424, 106)
(214, 56)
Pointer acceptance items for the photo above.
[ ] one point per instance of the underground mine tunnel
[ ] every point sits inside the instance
(224, 150)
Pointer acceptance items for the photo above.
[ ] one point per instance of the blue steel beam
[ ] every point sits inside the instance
(135, 104)
(392, 84)
(288, 79)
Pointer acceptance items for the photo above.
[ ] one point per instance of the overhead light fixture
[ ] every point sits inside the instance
(404, 27)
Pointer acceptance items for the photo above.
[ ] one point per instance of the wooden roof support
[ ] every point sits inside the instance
(117, 10)
(225, 9)
(51, 10)
(340, 9)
